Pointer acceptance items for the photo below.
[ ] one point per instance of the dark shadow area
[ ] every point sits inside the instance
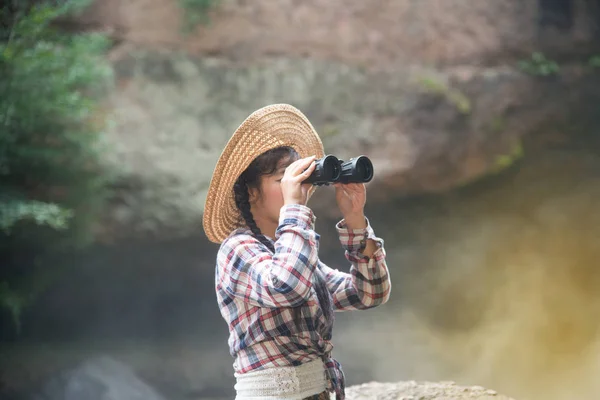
(556, 13)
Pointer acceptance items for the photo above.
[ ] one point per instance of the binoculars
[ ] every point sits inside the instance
(330, 169)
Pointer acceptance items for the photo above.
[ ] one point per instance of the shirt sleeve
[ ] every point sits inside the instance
(247, 269)
(368, 283)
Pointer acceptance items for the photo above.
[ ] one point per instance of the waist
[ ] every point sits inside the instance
(278, 351)
(282, 383)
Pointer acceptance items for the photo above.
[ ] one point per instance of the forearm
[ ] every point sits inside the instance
(368, 283)
(358, 221)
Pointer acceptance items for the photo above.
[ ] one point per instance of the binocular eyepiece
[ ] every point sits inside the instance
(330, 169)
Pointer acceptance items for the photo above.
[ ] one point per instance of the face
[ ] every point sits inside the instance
(267, 200)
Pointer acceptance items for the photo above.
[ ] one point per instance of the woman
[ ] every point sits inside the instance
(277, 298)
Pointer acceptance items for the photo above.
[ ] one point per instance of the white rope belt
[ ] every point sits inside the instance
(282, 383)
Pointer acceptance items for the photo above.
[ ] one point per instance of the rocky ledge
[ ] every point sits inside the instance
(412, 390)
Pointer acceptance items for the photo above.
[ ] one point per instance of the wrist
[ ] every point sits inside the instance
(293, 203)
(297, 214)
(290, 200)
(355, 221)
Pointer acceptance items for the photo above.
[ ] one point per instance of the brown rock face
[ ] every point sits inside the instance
(429, 90)
(374, 34)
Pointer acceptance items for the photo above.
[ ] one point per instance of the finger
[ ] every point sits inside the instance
(341, 191)
(355, 188)
(308, 171)
(295, 164)
(300, 165)
(347, 186)
(340, 188)
(344, 185)
(306, 160)
(299, 176)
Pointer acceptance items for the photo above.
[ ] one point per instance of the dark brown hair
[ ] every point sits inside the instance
(267, 164)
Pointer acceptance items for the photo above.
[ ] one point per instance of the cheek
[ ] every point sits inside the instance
(275, 195)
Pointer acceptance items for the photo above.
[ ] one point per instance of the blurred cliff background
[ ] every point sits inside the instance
(482, 119)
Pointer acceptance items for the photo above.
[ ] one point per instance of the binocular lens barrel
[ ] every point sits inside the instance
(330, 169)
(359, 169)
(327, 169)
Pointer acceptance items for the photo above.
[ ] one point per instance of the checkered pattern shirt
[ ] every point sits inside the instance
(257, 291)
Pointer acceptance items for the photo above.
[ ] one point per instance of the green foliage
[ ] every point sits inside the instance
(594, 61)
(52, 185)
(196, 12)
(13, 302)
(539, 65)
(506, 160)
(12, 211)
(452, 95)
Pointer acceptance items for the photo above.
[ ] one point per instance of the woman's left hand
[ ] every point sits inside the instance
(351, 199)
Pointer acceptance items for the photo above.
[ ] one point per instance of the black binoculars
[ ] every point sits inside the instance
(330, 169)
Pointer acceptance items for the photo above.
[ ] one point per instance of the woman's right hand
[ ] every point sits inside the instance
(294, 192)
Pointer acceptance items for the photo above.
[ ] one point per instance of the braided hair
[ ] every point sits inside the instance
(267, 164)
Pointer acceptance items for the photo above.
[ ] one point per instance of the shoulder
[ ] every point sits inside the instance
(238, 237)
(237, 246)
(241, 242)
(240, 251)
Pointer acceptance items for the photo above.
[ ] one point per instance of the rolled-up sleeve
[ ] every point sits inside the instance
(368, 283)
(247, 270)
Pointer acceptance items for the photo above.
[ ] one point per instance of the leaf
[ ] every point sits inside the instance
(52, 215)
(14, 302)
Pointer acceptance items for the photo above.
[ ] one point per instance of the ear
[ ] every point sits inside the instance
(253, 194)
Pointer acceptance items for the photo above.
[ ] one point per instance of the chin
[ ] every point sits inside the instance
(275, 219)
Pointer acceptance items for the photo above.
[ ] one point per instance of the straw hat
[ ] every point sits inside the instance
(269, 127)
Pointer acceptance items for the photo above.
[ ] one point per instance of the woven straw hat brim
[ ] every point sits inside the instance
(265, 129)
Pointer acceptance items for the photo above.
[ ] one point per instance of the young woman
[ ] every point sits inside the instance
(276, 296)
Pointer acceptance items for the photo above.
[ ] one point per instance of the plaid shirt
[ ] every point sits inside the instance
(257, 289)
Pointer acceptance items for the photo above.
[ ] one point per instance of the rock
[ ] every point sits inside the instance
(412, 390)
(432, 93)
(426, 130)
(100, 378)
(386, 34)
